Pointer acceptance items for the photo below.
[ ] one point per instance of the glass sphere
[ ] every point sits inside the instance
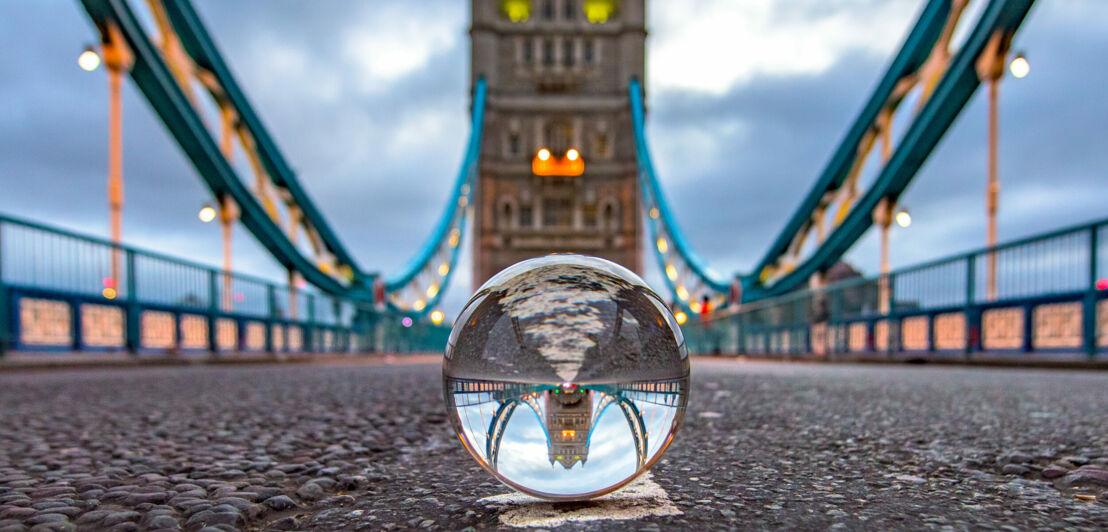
(565, 376)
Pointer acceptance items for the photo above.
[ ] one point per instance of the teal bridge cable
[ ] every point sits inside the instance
(463, 187)
(651, 190)
(950, 95)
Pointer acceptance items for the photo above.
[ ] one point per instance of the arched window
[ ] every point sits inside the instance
(611, 215)
(504, 214)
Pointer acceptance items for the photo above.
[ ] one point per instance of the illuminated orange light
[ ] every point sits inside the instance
(569, 434)
(546, 164)
(109, 293)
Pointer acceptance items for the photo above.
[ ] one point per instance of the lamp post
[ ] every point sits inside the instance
(990, 67)
(118, 60)
(884, 217)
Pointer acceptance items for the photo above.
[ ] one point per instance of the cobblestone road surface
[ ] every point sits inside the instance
(368, 447)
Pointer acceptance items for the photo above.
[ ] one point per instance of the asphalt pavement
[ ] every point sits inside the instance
(368, 446)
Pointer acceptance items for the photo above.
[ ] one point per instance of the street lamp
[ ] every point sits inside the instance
(207, 213)
(89, 60)
(903, 218)
(1019, 66)
(437, 317)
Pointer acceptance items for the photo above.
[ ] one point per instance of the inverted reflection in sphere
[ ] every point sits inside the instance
(566, 376)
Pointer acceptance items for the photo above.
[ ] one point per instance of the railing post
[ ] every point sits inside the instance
(309, 330)
(6, 324)
(890, 341)
(836, 321)
(336, 313)
(969, 310)
(132, 314)
(213, 312)
(1088, 326)
(271, 320)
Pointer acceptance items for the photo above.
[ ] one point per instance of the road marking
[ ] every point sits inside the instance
(641, 498)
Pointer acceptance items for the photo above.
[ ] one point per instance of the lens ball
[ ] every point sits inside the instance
(566, 376)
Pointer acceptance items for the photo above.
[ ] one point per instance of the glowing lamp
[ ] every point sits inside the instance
(108, 293)
(663, 246)
(1102, 284)
(206, 214)
(406, 321)
(599, 11)
(437, 317)
(903, 219)
(89, 60)
(1019, 66)
(546, 163)
(444, 269)
(681, 317)
(671, 272)
(109, 282)
(516, 10)
(682, 293)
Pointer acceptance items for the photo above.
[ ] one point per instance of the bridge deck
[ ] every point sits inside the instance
(763, 445)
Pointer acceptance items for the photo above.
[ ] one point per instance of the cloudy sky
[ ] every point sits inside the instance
(367, 99)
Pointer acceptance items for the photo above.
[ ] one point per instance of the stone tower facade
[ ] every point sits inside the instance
(557, 74)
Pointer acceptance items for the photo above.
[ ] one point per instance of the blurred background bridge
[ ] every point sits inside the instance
(557, 160)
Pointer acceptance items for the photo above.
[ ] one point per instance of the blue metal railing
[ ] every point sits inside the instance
(61, 291)
(1043, 298)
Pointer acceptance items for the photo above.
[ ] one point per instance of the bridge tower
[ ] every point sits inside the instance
(557, 170)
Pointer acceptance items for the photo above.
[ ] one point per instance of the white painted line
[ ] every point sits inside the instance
(639, 499)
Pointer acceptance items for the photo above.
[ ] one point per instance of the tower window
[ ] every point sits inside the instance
(567, 53)
(611, 217)
(557, 212)
(548, 9)
(590, 215)
(526, 216)
(513, 143)
(548, 52)
(528, 51)
(570, 12)
(589, 52)
(602, 147)
(506, 218)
